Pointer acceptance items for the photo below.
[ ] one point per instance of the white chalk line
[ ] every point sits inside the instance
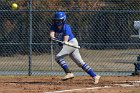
(125, 85)
(129, 81)
(94, 88)
(135, 83)
(71, 90)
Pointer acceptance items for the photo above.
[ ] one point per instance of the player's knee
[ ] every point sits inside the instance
(58, 58)
(80, 64)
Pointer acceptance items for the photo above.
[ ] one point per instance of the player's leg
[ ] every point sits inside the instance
(76, 57)
(60, 60)
(66, 50)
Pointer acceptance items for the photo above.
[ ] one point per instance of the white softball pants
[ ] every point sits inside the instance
(72, 52)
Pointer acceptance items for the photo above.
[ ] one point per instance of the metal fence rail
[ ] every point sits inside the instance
(103, 29)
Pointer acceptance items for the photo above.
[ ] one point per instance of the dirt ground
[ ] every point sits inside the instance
(79, 84)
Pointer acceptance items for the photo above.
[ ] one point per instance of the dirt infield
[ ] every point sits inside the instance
(80, 84)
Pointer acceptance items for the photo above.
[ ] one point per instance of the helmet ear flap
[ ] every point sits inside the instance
(64, 19)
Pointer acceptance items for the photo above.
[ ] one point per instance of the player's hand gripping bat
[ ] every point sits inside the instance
(66, 43)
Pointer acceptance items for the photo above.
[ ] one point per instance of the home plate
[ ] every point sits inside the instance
(128, 81)
(134, 83)
(125, 85)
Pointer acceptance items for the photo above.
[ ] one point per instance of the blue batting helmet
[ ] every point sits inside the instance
(59, 16)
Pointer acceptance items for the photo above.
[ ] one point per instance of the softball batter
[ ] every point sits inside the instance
(62, 31)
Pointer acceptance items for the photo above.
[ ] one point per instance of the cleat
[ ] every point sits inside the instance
(96, 79)
(68, 76)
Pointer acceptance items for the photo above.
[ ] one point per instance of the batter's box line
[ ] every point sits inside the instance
(73, 90)
(138, 81)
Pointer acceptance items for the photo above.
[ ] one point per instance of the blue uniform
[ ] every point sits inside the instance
(67, 50)
(65, 31)
(62, 29)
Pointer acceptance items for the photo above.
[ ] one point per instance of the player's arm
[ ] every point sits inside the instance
(66, 38)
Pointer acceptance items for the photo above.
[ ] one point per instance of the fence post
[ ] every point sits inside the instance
(30, 41)
(52, 55)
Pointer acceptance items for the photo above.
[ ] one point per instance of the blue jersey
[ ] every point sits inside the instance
(65, 31)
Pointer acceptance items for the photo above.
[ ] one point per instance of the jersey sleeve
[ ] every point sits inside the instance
(68, 31)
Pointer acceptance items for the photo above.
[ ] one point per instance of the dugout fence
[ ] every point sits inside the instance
(103, 29)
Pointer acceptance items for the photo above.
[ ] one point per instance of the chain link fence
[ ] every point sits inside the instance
(102, 27)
